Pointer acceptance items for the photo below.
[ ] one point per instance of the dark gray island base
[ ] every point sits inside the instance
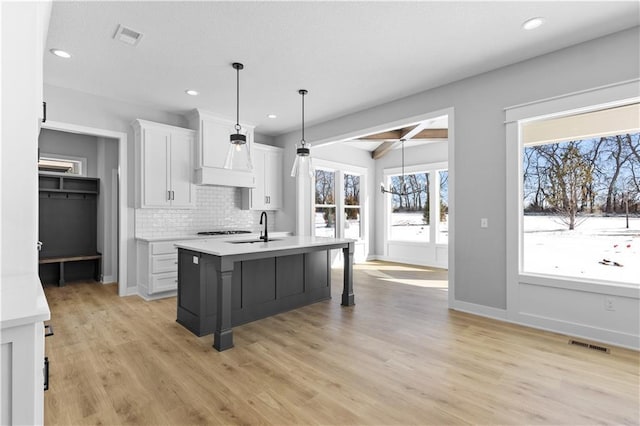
(241, 284)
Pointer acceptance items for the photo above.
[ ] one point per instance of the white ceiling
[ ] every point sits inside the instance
(349, 55)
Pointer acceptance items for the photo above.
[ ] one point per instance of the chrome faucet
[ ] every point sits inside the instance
(264, 236)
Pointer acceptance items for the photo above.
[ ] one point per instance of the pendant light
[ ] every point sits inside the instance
(238, 156)
(403, 185)
(302, 163)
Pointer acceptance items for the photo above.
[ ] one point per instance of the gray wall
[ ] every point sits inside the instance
(74, 107)
(108, 207)
(479, 160)
(63, 143)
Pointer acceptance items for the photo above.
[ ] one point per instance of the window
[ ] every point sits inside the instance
(61, 164)
(410, 211)
(580, 196)
(339, 206)
(325, 207)
(420, 214)
(442, 236)
(352, 223)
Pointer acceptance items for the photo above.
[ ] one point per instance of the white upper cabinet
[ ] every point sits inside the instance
(267, 195)
(212, 145)
(164, 156)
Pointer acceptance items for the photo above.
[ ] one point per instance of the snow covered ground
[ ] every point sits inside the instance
(600, 248)
(590, 251)
(410, 227)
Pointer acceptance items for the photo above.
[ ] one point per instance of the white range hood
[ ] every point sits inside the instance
(224, 177)
(211, 150)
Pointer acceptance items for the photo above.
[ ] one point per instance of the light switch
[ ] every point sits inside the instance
(195, 259)
(484, 222)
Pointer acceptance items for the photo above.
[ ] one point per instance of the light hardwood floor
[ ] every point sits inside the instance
(398, 357)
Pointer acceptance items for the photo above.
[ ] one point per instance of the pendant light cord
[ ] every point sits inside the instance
(404, 187)
(238, 99)
(303, 141)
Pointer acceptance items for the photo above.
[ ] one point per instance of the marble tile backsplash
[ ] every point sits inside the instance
(217, 208)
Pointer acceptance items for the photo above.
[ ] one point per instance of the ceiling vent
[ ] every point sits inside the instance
(127, 35)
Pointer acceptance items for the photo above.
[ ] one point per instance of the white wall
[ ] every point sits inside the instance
(19, 147)
(74, 107)
(479, 262)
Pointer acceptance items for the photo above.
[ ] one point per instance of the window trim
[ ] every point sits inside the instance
(325, 206)
(432, 168)
(82, 161)
(340, 170)
(609, 96)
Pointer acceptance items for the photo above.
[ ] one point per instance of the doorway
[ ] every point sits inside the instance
(113, 220)
(432, 218)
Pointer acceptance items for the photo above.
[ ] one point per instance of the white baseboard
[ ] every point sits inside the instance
(483, 311)
(108, 279)
(131, 291)
(405, 261)
(569, 329)
(163, 295)
(597, 334)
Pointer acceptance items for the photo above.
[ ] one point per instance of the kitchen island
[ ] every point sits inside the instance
(224, 283)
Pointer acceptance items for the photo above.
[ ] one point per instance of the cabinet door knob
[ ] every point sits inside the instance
(44, 112)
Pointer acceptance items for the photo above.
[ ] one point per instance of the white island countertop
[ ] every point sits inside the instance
(234, 246)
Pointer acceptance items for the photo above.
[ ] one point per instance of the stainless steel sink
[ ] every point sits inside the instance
(253, 241)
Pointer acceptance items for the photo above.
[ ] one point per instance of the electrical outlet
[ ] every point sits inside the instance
(609, 304)
(484, 222)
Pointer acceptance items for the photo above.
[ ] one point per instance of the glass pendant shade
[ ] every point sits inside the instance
(238, 155)
(302, 165)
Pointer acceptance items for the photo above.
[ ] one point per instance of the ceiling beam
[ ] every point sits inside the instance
(407, 133)
(432, 134)
(388, 135)
(382, 149)
(411, 132)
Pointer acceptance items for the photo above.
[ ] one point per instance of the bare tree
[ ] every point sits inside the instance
(618, 153)
(568, 172)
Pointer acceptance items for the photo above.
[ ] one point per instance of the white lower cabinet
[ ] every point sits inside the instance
(157, 269)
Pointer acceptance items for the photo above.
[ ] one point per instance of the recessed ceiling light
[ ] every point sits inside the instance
(272, 116)
(60, 53)
(533, 23)
(191, 92)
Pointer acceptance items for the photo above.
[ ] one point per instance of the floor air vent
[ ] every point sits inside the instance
(589, 346)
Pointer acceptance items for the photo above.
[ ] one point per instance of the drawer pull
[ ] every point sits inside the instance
(46, 373)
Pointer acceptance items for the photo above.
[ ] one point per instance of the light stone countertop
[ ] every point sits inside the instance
(187, 237)
(22, 301)
(227, 247)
